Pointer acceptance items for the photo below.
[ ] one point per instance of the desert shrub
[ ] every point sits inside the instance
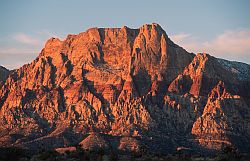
(229, 153)
(11, 153)
(113, 156)
(47, 155)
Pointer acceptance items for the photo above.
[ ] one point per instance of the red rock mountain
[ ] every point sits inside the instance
(3, 74)
(127, 88)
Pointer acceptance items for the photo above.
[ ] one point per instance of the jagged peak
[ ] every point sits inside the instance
(52, 41)
(151, 26)
(99, 35)
(3, 68)
(152, 29)
(241, 71)
(4, 72)
(51, 45)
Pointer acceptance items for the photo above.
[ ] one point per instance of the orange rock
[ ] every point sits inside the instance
(124, 82)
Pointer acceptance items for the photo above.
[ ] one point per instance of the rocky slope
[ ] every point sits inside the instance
(3, 74)
(123, 89)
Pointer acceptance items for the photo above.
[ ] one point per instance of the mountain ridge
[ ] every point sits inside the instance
(124, 82)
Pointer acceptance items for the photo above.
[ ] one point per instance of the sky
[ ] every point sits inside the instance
(218, 27)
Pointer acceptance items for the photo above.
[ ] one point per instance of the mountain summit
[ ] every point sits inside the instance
(114, 87)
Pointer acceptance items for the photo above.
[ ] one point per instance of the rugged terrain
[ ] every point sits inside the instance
(3, 74)
(125, 90)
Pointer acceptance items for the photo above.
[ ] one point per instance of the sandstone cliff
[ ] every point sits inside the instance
(122, 82)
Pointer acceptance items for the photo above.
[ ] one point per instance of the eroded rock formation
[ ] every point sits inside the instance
(130, 83)
(3, 74)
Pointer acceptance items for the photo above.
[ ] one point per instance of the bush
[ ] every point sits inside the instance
(228, 153)
(12, 153)
(47, 155)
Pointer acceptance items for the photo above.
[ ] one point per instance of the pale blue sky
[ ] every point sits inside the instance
(220, 27)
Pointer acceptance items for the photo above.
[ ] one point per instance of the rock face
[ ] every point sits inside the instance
(223, 85)
(3, 74)
(94, 142)
(125, 82)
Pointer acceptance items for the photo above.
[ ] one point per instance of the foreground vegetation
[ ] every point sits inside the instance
(15, 154)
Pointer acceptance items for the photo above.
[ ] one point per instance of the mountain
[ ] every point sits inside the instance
(3, 74)
(125, 89)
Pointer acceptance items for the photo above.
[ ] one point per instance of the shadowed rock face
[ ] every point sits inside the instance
(94, 142)
(3, 74)
(125, 82)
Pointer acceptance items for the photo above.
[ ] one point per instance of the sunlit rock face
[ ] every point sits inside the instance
(134, 86)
